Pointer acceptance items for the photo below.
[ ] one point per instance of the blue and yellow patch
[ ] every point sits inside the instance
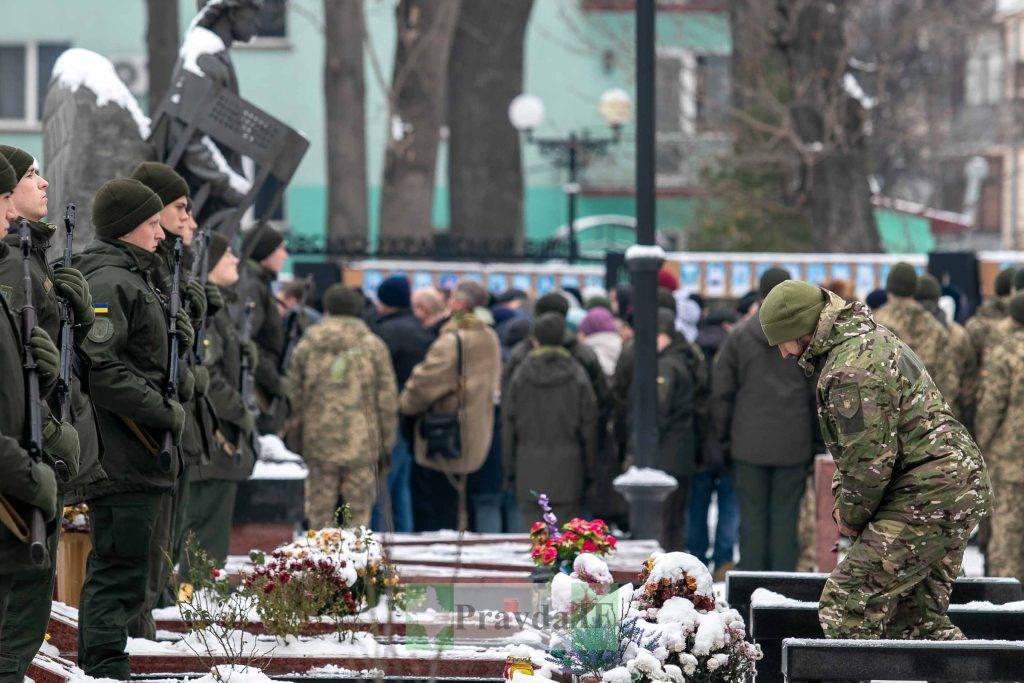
(100, 309)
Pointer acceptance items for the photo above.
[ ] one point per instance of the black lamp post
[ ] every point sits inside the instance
(573, 152)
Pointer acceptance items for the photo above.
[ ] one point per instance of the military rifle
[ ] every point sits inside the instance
(200, 271)
(171, 385)
(248, 379)
(37, 525)
(67, 323)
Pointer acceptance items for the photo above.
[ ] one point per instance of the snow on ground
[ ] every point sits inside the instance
(77, 67)
(762, 597)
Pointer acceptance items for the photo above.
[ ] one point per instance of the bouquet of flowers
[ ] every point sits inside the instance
(551, 546)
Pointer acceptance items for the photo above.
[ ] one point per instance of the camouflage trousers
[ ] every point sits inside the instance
(356, 485)
(895, 583)
(1005, 552)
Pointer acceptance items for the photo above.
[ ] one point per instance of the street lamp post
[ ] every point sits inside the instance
(574, 151)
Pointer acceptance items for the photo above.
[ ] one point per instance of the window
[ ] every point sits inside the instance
(984, 78)
(25, 70)
(713, 92)
(674, 113)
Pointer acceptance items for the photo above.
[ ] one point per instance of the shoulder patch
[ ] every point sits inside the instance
(47, 285)
(102, 330)
(846, 401)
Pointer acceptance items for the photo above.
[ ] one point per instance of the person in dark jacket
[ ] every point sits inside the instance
(549, 417)
(128, 347)
(407, 342)
(267, 254)
(763, 414)
(213, 484)
(31, 590)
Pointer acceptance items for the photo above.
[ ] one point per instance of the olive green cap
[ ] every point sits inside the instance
(342, 300)
(121, 205)
(1017, 307)
(8, 179)
(217, 248)
(162, 179)
(1004, 281)
(20, 160)
(902, 280)
(791, 311)
(928, 288)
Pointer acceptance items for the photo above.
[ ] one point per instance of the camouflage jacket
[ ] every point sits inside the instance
(1000, 415)
(343, 393)
(919, 330)
(983, 323)
(900, 454)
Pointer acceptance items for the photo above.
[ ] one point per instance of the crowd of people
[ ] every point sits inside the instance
(418, 410)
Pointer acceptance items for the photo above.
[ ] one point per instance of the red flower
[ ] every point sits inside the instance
(284, 577)
(610, 540)
(268, 587)
(589, 546)
(548, 555)
(537, 526)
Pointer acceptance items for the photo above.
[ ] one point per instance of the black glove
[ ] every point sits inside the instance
(196, 296)
(202, 377)
(187, 387)
(177, 420)
(47, 358)
(71, 285)
(251, 353)
(214, 299)
(186, 334)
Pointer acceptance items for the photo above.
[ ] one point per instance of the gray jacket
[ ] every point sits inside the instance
(762, 405)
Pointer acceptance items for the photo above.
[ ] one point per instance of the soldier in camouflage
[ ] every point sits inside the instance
(997, 429)
(991, 314)
(965, 358)
(344, 396)
(919, 330)
(910, 483)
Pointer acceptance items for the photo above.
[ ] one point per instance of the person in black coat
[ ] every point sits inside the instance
(407, 341)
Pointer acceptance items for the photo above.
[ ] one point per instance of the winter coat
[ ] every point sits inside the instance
(900, 455)
(984, 325)
(44, 298)
(679, 384)
(129, 353)
(580, 351)
(19, 475)
(343, 394)
(762, 405)
(549, 423)
(268, 335)
(232, 458)
(406, 340)
(919, 330)
(1000, 415)
(607, 346)
(431, 389)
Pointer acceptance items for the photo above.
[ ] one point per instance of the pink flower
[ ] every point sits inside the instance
(548, 555)
(268, 587)
(589, 546)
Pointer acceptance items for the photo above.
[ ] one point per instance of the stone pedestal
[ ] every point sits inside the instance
(646, 508)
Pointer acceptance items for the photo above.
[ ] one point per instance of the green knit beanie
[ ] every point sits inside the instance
(162, 179)
(928, 288)
(217, 248)
(1017, 307)
(20, 160)
(791, 310)
(342, 300)
(121, 205)
(1018, 280)
(902, 280)
(8, 179)
(1004, 281)
(261, 242)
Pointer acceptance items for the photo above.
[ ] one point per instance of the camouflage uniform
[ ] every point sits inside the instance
(919, 330)
(983, 323)
(345, 400)
(998, 430)
(909, 481)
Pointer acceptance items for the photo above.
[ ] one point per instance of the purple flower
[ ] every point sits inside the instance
(549, 517)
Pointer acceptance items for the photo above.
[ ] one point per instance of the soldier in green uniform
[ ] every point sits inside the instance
(23, 483)
(32, 590)
(212, 485)
(991, 314)
(175, 222)
(267, 253)
(997, 428)
(128, 347)
(910, 484)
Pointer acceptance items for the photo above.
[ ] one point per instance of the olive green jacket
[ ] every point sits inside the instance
(233, 458)
(19, 476)
(268, 334)
(47, 305)
(129, 353)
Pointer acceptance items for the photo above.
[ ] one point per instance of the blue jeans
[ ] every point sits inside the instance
(398, 489)
(495, 513)
(727, 528)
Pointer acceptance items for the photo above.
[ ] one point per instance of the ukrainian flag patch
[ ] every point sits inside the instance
(100, 309)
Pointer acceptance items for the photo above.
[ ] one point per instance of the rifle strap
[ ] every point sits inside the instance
(10, 518)
(148, 441)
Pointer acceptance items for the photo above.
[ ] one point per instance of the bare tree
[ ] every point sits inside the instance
(417, 112)
(161, 48)
(485, 177)
(344, 96)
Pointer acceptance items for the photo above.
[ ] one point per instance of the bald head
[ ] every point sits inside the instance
(427, 305)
